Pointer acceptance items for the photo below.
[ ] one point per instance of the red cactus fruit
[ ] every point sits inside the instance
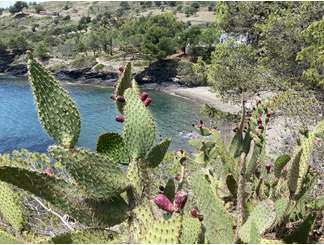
(48, 171)
(259, 120)
(144, 96)
(148, 101)
(121, 69)
(261, 126)
(177, 177)
(120, 99)
(164, 203)
(269, 114)
(194, 212)
(180, 200)
(120, 118)
(268, 167)
(113, 97)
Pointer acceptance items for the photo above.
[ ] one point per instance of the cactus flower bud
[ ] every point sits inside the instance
(261, 126)
(120, 118)
(194, 212)
(269, 114)
(120, 98)
(164, 203)
(121, 69)
(180, 200)
(268, 167)
(148, 101)
(144, 96)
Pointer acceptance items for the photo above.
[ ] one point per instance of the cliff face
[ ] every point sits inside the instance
(6, 58)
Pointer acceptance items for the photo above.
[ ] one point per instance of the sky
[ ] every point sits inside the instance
(5, 3)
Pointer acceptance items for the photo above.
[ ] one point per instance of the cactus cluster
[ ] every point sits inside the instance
(261, 196)
(223, 194)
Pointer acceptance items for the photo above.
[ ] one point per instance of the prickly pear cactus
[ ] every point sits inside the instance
(10, 207)
(217, 220)
(139, 126)
(123, 83)
(112, 145)
(87, 236)
(157, 153)
(6, 238)
(57, 112)
(100, 178)
(261, 218)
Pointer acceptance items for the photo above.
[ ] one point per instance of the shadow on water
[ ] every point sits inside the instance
(19, 126)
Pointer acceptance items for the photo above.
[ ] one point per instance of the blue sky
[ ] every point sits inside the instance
(5, 4)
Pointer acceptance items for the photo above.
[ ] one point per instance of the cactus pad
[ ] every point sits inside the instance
(86, 237)
(293, 172)
(95, 173)
(112, 145)
(10, 207)
(157, 153)
(123, 83)
(262, 217)
(139, 126)
(6, 238)
(57, 112)
(217, 220)
(67, 197)
(279, 164)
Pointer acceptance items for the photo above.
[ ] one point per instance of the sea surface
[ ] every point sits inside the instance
(20, 128)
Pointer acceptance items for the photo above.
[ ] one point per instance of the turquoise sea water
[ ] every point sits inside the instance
(19, 126)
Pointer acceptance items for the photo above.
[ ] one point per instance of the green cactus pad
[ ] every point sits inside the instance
(134, 177)
(112, 145)
(163, 231)
(202, 131)
(255, 237)
(86, 237)
(57, 112)
(235, 147)
(293, 172)
(307, 146)
(301, 233)
(157, 153)
(282, 206)
(169, 189)
(10, 208)
(279, 164)
(139, 126)
(96, 174)
(262, 216)
(65, 196)
(217, 220)
(123, 83)
(6, 238)
(191, 229)
(231, 185)
(253, 158)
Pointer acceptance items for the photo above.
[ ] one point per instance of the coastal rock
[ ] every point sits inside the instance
(17, 70)
(6, 58)
(169, 70)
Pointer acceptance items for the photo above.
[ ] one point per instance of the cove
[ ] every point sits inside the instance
(20, 128)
